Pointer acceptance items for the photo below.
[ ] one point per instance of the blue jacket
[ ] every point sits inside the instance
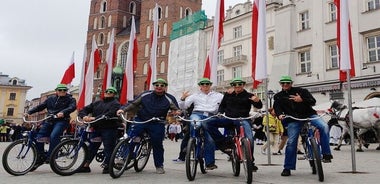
(149, 104)
(55, 104)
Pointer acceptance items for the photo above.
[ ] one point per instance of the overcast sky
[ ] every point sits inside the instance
(38, 37)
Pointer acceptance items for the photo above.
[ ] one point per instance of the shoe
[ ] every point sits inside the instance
(160, 170)
(300, 152)
(178, 161)
(84, 170)
(327, 158)
(40, 161)
(211, 167)
(279, 152)
(285, 172)
(254, 167)
(263, 151)
(105, 170)
(275, 153)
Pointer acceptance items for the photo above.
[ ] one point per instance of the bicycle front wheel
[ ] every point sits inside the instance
(67, 157)
(247, 159)
(120, 159)
(143, 155)
(317, 159)
(19, 158)
(235, 161)
(191, 160)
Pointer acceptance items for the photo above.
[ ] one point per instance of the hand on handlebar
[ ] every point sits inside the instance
(88, 118)
(281, 117)
(119, 112)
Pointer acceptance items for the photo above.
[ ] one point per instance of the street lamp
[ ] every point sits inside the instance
(270, 97)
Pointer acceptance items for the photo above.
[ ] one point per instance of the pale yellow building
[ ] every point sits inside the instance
(12, 98)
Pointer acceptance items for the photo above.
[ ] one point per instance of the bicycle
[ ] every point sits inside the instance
(21, 156)
(242, 152)
(310, 142)
(195, 148)
(131, 151)
(70, 155)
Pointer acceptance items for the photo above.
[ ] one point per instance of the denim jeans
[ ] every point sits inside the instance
(109, 137)
(209, 152)
(53, 130)
(214, 124)
(294, 129)
(156, 130)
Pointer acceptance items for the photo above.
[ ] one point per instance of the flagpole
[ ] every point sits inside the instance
(267, 125)
(351, 122)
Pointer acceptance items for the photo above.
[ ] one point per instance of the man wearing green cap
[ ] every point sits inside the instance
(298, 102)
(61, 105)
(236, 104)
(206, 103)
(155, 103)
(106, 128)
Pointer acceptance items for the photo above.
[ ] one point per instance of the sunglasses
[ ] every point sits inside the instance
(237, 84)
(205, 84)
(111, 92)
(282, 83)
(61, 90)
(160, 85)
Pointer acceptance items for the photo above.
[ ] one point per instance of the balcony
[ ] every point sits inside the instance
(241, 59)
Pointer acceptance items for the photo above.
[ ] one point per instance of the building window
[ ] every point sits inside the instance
(159, 13)
(237, 50)
(332, 12)
(237, 32)
(132, 7)
(236, 71)
(165, 31)
(333, 57)
(103, 7)
(123, 54)
(305, 63)
(101, 39)
(163, 48)
(219, 76)
(373, 4)
(102, 23)
(304, 20)
(162, 67)
(10, 111)
(146, 51)
(12, 96)
(148, 32)
(14, 82)
(373, 48)
(145, 68)
(220, 56)
(188, 12)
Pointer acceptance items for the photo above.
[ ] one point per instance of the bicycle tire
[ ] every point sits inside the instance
(18, 158)
(142, 155)
(67, 157)
(191, 160)
(317, 159)
(247, 159)
(201, 160)
(120, 159)
(235, 162)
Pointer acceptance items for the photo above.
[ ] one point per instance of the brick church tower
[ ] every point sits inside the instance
(106, 15)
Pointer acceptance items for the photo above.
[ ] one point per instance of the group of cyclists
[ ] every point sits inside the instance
(235, 103)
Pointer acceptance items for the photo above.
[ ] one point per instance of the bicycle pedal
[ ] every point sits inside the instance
(301, 158)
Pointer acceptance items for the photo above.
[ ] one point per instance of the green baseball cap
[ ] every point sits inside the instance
(160, 80)
(237, 80)
(286, 78)
(204, 80)
(114, 90)
(61, 86)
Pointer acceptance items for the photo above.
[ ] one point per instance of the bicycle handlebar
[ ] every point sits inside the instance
(93, 121)
(139, 122)
(36, 121)
(305, 119)
(197, 120)
(241, 118)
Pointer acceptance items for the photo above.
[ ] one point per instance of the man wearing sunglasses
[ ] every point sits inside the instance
(147, 105)
(106, 128)
(235, 104)
(206, 103)
(61, 105)
(298, 102)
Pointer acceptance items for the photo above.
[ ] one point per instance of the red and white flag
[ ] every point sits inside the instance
(259, 46)
(344, 41)
(82, 84)
(86, 91)
(152, 71)
(217, 35)
(69, 74)
(131, 64)
(110, 63)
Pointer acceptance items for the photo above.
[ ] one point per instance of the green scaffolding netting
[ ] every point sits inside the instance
(189, 25)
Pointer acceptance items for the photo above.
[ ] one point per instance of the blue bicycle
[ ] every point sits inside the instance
(21, 156)
(195, 148)
(310, 142)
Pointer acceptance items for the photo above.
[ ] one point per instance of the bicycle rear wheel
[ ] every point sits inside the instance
(120, 159)
(235, 161)
(317, 159)
(18, 158)
(247, 159)
(191, 160)
(142, 156)
(67, 157)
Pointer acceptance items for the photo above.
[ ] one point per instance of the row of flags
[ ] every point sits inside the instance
(259, 60)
